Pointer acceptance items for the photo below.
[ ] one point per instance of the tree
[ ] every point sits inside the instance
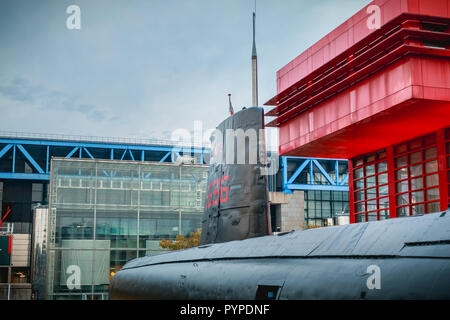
(181, 242)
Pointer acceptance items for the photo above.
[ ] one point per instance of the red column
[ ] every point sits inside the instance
(351, 198)
(442, 167)
(391, 181)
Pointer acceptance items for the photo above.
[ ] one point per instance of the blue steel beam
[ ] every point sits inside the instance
(97, 145)
(5, 150)
(30, 158)
(324, 172)
(47, 159)
(298, 171)
(88, 153)
(322, 187)
(165, 157)
(72, 152)
(334, 183)
(24, 176)
(123, 154)
(344, 181)
(52, 146)
(14, 159)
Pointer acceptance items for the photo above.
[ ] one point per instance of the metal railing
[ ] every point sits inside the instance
(7, 228)
(99, 139)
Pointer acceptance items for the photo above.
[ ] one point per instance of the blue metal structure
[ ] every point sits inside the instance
(301, 173)
(297, 173)
(37, 153)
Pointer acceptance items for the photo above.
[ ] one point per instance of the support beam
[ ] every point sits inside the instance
(165, 157)
(324, 172)
(72, 152)
(5, 150)
(131, 154)
(14, 160)
(298, 171)
(88, 153)
(123, 154)
(47, 159)
(321, 187)
(30, 158)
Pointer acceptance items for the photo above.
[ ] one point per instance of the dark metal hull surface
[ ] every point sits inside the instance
(412, 256)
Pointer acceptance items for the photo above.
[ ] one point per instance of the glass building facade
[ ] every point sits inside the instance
(323, 205)
(104, 213)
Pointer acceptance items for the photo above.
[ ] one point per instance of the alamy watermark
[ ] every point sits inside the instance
(374, 20)
(74, 20)
(234, 146)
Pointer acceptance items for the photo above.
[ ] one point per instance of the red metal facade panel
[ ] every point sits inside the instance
(410, 84)
(349, 33)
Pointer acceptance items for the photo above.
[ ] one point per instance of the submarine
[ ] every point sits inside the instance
(404, 258)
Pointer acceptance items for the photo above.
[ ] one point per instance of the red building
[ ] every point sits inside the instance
(376, 90)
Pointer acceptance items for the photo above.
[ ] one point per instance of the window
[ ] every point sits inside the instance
(321, 205)
(416, 177)
(370, 185)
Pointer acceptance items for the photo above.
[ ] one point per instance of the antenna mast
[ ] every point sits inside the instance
(254, 65)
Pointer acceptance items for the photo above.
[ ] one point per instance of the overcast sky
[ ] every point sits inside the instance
(143, 68)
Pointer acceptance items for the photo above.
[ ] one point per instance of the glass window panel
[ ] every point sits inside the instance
(432, 180)
(433, 207)
(382, 167)
(415, 157)
(337, 196)
(402, 186)
(359, 184)
(401, 174)
(402, 212)
(345, 196)
(370, 182)
(417, 196)
(371, 193)
(360, 207)
(370, 158)
(384, 203)
(370, 170)
(416, 170)
(400, 162)
(431, 166)
(415, 144)
(417, 183)
(383, 191)
(417, 209)
(401, 148)
(359, 196)
(359, 173)
(358, 162)
(372, 216)
(360, 218)
(384, 214)
(430, 153)
(432, 194)
(371, 205)
(382, 178)
(403, 199)
(381, 155)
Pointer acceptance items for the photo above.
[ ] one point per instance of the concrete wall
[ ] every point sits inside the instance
(290, 210)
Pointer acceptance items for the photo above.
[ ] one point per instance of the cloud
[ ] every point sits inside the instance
(22, 90)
